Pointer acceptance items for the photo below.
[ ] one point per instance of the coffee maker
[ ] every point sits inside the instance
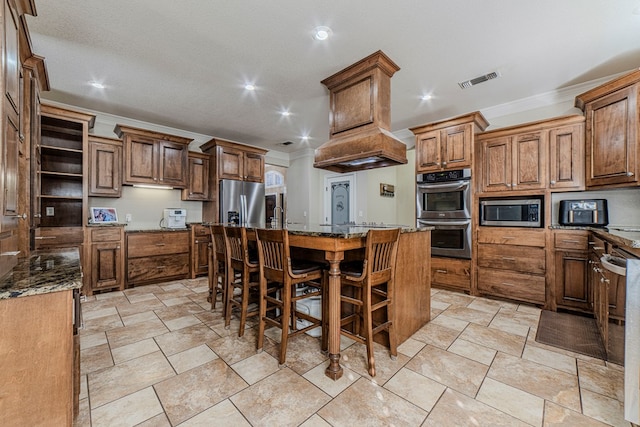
(174, 218)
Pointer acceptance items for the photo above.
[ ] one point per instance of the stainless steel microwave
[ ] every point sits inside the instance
(511, 212)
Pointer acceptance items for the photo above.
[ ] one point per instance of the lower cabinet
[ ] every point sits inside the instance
(200, 240)
(107, 259)
(451, 273)
(571, 270)
(157, 256)
(511, 263)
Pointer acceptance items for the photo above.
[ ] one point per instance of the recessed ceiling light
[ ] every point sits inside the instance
(97, 85)
(426, 97)
(249, 86)
(285, 113)
(304, 137)
(321, 33)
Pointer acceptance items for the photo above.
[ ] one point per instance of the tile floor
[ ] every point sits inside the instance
(158, 356)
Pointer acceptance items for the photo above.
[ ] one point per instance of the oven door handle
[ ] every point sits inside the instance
(441, 188)
(440, 223)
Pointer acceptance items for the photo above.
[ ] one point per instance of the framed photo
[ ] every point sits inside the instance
(103, 215)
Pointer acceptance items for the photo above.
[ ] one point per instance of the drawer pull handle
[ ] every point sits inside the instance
(508, 237)
(598, 248)
(160, 244)
(508, 258)
(507, 284)
(570, 241)
(45, 237)
(441, 271)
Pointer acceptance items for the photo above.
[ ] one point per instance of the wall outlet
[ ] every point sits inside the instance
(127, 217)
(49, 211)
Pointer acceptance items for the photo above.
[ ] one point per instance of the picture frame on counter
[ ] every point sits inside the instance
(103, 215)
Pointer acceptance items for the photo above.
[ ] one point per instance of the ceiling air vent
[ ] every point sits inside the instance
(478, 80)
(287, 143)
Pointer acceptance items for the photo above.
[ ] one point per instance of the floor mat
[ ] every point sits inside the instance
(570, 332)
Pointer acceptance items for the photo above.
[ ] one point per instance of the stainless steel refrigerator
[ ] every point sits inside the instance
(242, 202)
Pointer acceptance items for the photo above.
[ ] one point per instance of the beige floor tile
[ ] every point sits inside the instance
(233, 349)
(417, 389)
(84, 414)
(222, 414)
(482, 318)
(472, 351)
(495, 339)
(410, 347)
(450, 322)
(145, 290)
(159, 420)
(556, 415)
(139, 318)
(98, 304)
(95, 358)
(136, 349)
(109, 295)
(550, 358)
(315, 421)
(197, 389)
(333, 388)
(256, 367)
(92, 340)
(120, 380)
(174, 286)
(602, 380)
(137, 332)
(84, 389)
(170, 302)
(355, 358)
(435, 312)
(95, 314)
(282, 399)
(510, 400)
(491, 306)
(365, 403)
(137, 298)
(128, 410)
(182, 322)
(139, 307)
(453, 298)
(101, 324)
(603, 408)
(531, 309)
(540, 380)
(435, 334)
(455, 409)
(303, 353)
(439, 305)
(192, 358)
(507, 324)
(459, 373)
(186, 338)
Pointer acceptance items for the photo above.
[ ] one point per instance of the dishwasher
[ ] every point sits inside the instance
(620, 262)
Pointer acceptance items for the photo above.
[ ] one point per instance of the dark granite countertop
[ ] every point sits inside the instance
(343, 231)
(156, 230)
(622, 235)
(43, 272)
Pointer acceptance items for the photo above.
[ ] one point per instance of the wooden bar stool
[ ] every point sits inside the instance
(367, 288)
(242, 275)
(279, 277)
(218, 267)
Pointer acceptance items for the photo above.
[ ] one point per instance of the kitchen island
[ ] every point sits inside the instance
(412, 296)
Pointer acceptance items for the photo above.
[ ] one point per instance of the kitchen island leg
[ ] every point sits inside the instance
(334, 370)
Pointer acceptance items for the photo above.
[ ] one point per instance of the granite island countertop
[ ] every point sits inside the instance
(44, 271)
(341, 231)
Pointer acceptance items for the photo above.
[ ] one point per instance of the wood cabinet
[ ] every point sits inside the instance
(451, 273)
(36, 356)
(107, 259)
(200, 240)
(612, 287)
(198, 174)
(447, 144)
(230, 160)
(612, 132)
(157, 256)
(572, 290)
(511, 263)
(533, 156)
(105, 167)
(154, 158)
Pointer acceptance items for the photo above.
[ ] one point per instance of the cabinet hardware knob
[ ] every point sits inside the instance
(629, 173)
(553, 183)
(508, 185)
(444, 163)
(437, 163)
(441, 271)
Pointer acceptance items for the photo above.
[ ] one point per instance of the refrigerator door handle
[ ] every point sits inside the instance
(243, 209)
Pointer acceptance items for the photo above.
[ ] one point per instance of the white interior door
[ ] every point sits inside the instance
(339, 199)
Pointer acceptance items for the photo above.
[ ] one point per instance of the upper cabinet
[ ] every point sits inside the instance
(612, 132)
(230, 160)
(447, 144)
(198, 174)
(154, 158)
(105, 167)
(533, 157)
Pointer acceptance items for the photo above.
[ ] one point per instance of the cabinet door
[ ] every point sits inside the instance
(172, 166)
(456, 146)
(428, 152)
(572, 284)
(10, 166)
(106, 264)
(496, 164)
(198, 188)
(612, 132)
(140, 159)
(104, 170)
(231, 163)
(617, 295)
(529, 161)
(566, 158)
(11, 59)
(253, 167)
(200, 259)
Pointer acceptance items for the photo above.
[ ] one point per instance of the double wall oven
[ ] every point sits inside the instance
(443, 201)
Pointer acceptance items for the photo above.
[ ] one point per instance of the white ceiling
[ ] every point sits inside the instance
(183, 64)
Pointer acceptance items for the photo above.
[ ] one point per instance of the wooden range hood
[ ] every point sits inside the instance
(360, 118)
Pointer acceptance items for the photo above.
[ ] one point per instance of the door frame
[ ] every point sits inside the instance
(328, 180)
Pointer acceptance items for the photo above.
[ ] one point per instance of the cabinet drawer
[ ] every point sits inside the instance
(201, 231)
(518, 286)
(576, 240)
(525, 259)
(59, 237)
(511, 236)
(110, 234)
(162, 243)
(157, 267)
(454, 273)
